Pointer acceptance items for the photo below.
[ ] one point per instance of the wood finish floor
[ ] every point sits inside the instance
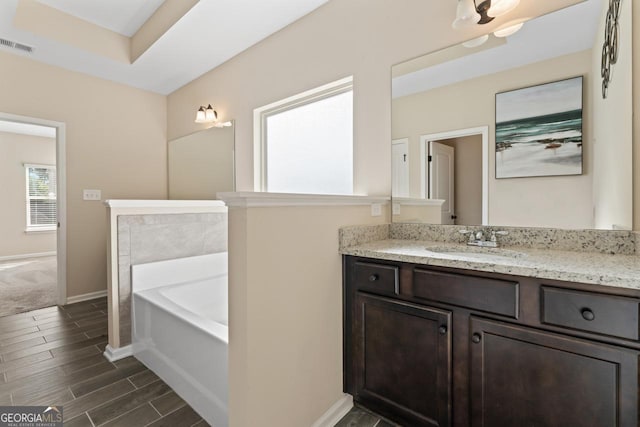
(53, 356)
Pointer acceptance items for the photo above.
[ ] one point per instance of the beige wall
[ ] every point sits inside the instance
(116, 142)
(15, 151)
(563, 202)
(467, 179)
(613, 131)
(285, 343)
(201, 164)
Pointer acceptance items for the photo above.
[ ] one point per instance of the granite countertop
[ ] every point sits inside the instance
(585, 267)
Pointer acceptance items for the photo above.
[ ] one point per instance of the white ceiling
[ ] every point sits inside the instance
(122, 16)
(560, 33)
(212, 32)
(27, 129)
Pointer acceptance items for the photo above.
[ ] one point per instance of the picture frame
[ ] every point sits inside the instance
(539, 130)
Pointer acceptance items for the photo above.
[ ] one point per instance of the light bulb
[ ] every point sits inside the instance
(501, 7)
(466, 14)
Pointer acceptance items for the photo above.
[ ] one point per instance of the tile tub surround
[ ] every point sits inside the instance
(158, 230)
(584, 267)
(149, 238)
(601, 241)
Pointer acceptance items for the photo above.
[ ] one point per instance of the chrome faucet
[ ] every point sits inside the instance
(477, 238)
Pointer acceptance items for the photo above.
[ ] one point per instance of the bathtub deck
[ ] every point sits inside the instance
(53, 356)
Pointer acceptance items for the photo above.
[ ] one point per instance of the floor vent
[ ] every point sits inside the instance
(16, 45)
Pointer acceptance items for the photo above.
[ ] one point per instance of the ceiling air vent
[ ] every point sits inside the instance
(16, 45)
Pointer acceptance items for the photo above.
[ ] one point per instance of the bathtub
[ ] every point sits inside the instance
(180, 332)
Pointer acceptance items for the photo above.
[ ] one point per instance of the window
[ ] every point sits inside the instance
(305, 143)
(41, 198)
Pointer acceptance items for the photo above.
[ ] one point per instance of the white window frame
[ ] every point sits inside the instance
(35, 227)
(261, 114)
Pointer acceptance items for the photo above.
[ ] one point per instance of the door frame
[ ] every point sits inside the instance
(483, 131)
(61, 197)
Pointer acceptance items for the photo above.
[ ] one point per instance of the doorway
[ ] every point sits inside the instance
(454, 168)
(32, 216)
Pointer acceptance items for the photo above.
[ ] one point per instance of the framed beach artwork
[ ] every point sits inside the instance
(539, 130)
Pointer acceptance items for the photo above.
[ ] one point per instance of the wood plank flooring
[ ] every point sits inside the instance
(53, 356)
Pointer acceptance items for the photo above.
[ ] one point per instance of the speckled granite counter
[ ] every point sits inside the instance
(584, 267)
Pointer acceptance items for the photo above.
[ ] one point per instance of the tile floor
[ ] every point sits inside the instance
(53, 356)
(361, 417)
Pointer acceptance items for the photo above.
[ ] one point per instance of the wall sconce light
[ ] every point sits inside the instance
(480, 12)
(206, 115)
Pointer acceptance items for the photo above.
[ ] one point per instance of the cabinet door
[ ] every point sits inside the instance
(524, 377)
(403, 360)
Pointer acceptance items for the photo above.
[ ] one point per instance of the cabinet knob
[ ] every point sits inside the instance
(373, 277)
(476, 338)
(443, 330)
(587, 314)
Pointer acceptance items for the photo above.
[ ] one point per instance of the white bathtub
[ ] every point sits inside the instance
(180, 330)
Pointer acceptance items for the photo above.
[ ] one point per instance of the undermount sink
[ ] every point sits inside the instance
(476, 252)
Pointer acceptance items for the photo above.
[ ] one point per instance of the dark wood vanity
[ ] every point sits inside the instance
(435, 346)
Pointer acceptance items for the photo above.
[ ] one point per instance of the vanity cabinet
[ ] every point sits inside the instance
(520, 376)
(432, 346)
(402, 359)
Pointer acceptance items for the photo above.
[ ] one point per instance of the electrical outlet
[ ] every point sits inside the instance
(376, 209)
(94, 195)
(396, 208)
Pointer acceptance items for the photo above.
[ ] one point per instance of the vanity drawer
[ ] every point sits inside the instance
(377, 278)
(478, 293)
(592, 312)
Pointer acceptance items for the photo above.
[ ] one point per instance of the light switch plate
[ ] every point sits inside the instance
(93, 195)
(376, 209)
(396, 208)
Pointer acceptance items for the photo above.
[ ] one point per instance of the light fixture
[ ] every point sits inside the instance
(206, 115)
(506, 32)
(466, 14)
(476, 42)
(471, 12)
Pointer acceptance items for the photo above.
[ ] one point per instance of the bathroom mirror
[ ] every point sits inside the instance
(448, 167)
(202, 164)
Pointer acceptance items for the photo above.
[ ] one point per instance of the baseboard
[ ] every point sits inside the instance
(113, 354)
(86, 297)
(336, 412)
(26, 256)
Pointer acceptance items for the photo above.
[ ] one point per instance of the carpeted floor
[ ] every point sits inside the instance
(27, 284)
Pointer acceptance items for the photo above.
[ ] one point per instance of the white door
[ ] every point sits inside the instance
(400, 168)
(441, 181)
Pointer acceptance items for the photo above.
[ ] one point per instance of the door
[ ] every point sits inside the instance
(400, 168)
(441, 178)
(402, 359)
(524, 377)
